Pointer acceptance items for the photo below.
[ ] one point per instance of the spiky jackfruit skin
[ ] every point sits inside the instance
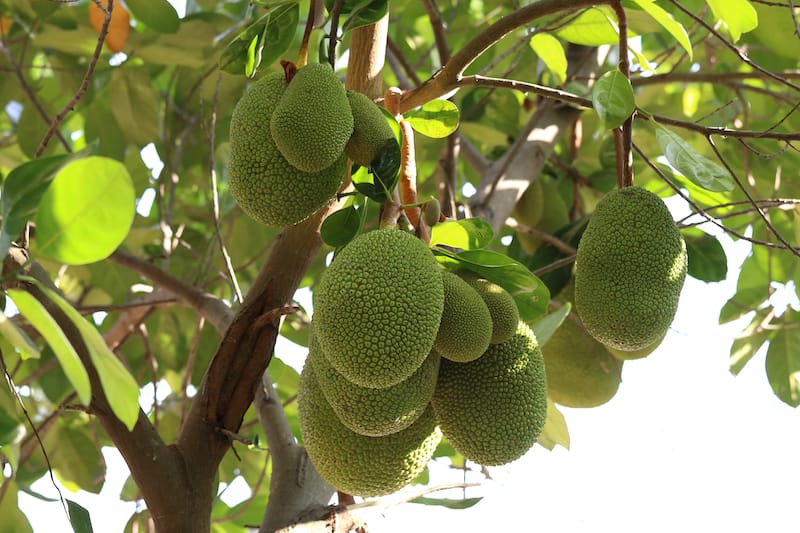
(377, 307)
(641, 353)
(357, 464)
(580, 371)
(371, 132)
(493, 409)
(312, 121)
(502, 307)
(466, 326)
(630, 269)
(262, 182)
(375, 412)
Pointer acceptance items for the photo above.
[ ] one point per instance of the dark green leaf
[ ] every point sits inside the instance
(79, 518)
(361, 12)
(364, 182)
(700, 171)
(783, 360)
(466, 234)
(707, 259)
(156, 14)
(340, 227)
(263, 41)
(436, 119)
(386, 166)
(86, 212)
(465, 503)
(612, 96)
(136, 106)
(11, 431)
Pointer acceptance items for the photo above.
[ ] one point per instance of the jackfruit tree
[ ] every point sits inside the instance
(298, 262)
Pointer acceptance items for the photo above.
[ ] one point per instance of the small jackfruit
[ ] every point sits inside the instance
(371, 132)
(629, 270)
(262, 182)
(357, 464)
(542, 207)
(375, 412)
(623, 355)
(466, 326)
(494, 408)
(377, 307)
(312, 121)
(580, 371)
(502, 307)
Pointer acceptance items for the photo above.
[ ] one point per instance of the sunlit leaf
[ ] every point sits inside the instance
(551, 52)
(747, 343)
(555, 430)
(699, 170)
(436, 119)
(674, 27)
(18, 338)
(612, 96)
(466, 234)
(156, 14)
(783, 360)
(738, 15)
(14, 520)
(35, 313)
(593, 27)
(86, 212)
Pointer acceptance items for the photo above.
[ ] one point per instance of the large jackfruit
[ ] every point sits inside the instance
(357, 464)
(580, 371)
(371, 132)
(262, 182)
(493, 409)
(312, 121)
(641, 353)
(630, 269)
(377, 307)
(375, 412)
(502, 307)
(466, 326)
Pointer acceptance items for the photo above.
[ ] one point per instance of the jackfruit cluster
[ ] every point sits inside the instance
(367, 392)
(290, 141)
(629, 270)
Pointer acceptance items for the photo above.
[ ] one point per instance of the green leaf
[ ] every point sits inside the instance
(156, 14)
(11, 431)
(593, 27)
(263, 41)
(747, 343)
(14, 520)
(783, 360)
(119, 386)
(18, 338)
(612, 96)
(707, 259)
(79, 518)
(738, 15)
(22, 190)
(464, 503)
(699, 170)
(436, 119)
(548, 324)
(361, 12)
(551, 52)
(340, 227)
(86, 212)
(35, 313)
(555, 430)
(529, 293)
(743, 302)
(135, 106)
(466, 234)
(666, 21)
(385, 167)
(76, 458)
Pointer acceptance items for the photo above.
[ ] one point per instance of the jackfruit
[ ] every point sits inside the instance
(502, 307)
(466, 326)
(357, 464)
(542, 207)
(493, 409)
(377, 307)
(261, 181)
(629, 270)
(312, 121)
(623, 355)
(580, 371)
(371, 132)
(375, 412)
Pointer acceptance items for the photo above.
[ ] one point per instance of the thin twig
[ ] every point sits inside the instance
(333, 38)
(625, 155)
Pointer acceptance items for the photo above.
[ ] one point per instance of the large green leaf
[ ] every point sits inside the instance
(86, 212)
(707, 259)
(35, 313)
(263, 41)
(612, 96)
(783, 360)
(435, 119)
(700, 171)
(738, 15)
(340, 227)
(674, 27)
(593, 27)
(157, 14)
(551, 52)
(466, 234)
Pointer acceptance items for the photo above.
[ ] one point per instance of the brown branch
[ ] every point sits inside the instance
(625, 136)
(554, 241)
(707, 77)
(439, 34)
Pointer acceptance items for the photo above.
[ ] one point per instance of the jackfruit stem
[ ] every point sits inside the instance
(289, 70)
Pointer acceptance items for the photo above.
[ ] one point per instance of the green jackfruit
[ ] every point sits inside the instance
(375, 412)
(371, 132)
(357, 464)
(377, 307)
(493, 409)
(542, 207)
(630, 269)
(466, 326)
(312, 121)
(502, 307)
(262, 182)
(623, 355)
(580, 371)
